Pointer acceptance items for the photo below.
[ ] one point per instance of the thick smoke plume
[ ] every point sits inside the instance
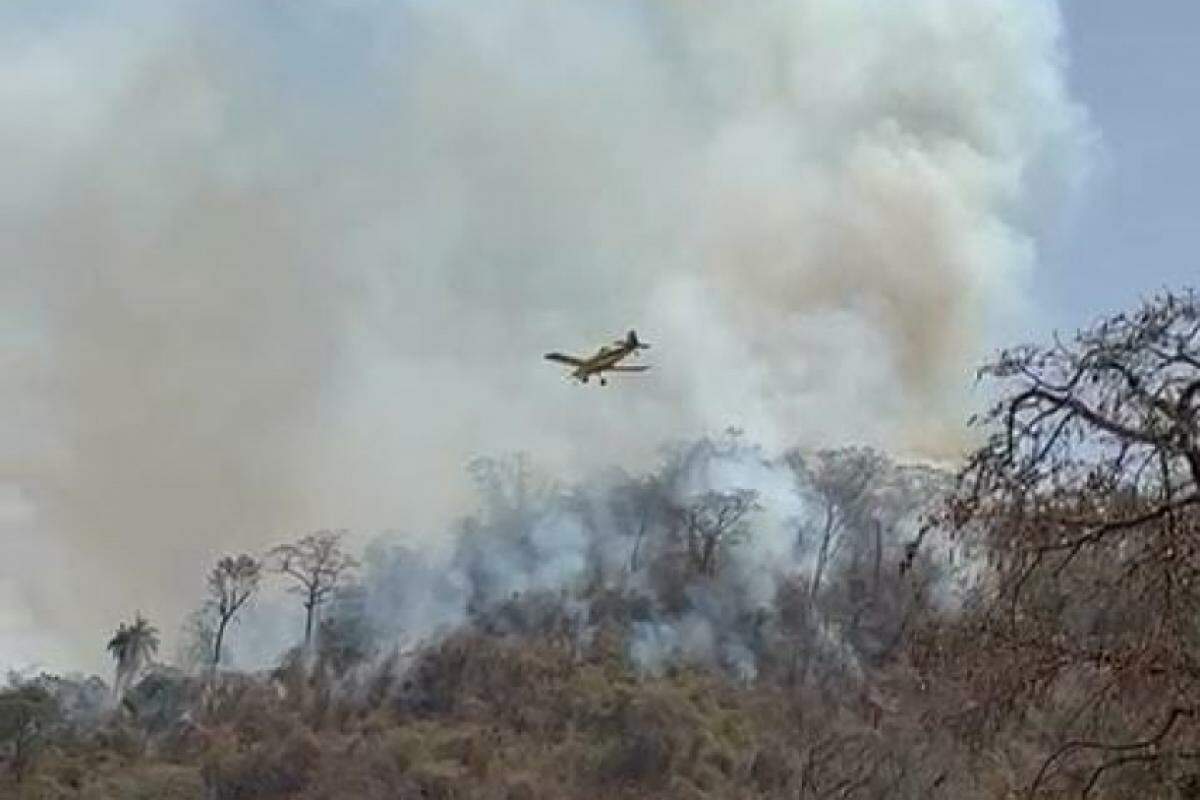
(275, 267)
(803, 562)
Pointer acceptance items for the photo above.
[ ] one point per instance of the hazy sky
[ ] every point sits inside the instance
(1137, 69)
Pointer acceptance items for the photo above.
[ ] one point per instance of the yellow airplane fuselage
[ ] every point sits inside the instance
(606, 359)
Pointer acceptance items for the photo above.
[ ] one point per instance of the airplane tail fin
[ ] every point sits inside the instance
(632, 341)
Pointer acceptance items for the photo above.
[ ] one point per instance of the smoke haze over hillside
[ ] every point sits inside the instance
(274, 267)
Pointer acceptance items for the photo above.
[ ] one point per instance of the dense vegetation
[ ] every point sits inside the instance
(813, 625)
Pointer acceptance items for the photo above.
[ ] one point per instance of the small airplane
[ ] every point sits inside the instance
(605, 359)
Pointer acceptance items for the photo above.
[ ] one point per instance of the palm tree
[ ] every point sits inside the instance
(132, 646)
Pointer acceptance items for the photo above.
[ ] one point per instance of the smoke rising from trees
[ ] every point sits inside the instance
(274, 269)
(688, 563)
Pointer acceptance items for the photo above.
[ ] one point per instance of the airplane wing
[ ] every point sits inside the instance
(564, 359)
(627, 369)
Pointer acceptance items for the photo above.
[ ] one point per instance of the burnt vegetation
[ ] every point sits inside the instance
(816, 625)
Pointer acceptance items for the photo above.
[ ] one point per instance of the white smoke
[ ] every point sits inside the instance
(272, 268)
(537, 558)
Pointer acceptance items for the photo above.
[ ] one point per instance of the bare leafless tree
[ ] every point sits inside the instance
(232, 582)
(317, 564)
(844, 481)
(511, 488)
(1087, 495)
(635, 505)
(712, 521)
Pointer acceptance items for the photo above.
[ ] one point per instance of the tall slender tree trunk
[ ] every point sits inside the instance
(637, 543)
(823, 553)
(694, 547)
(220, 637)
(309, 608)
(709, 557)
(878, 560)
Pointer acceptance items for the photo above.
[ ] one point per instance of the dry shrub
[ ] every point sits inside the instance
(666, 729)
(37, 786)
(149, 782)
(471, 674)
(66, 776)
(772, 769)
(250, 706)
(523, 719)
(269, 769)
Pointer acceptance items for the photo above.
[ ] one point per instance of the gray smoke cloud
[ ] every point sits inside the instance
(539, 556)
(268, 268)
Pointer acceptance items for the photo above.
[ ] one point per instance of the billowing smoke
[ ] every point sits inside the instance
(685, 562)
(274, 267)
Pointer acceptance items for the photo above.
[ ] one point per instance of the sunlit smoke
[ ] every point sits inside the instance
(269, 268)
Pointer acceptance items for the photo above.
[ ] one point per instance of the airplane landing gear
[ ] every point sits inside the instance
(604, 382)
